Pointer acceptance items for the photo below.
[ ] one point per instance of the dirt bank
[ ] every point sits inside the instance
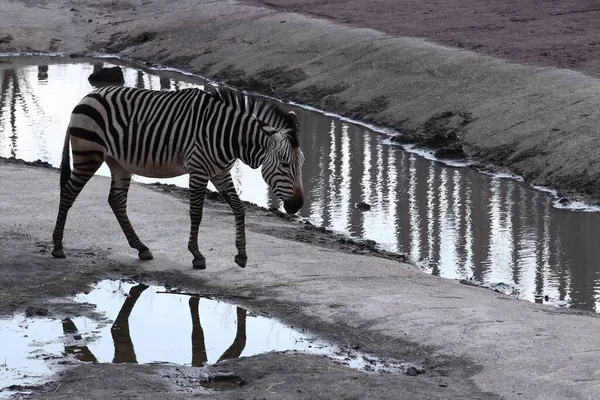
(561, 34)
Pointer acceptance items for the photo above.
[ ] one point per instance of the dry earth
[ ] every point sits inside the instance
(537, 120)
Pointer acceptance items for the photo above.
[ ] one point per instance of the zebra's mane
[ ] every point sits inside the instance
(265, 111)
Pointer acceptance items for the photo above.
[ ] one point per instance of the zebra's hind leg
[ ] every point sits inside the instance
(226, 188)
(198, 184)
(85, 164)
(117, 198)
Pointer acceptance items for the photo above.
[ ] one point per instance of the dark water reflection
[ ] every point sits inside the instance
(452, 222)
(122, 338)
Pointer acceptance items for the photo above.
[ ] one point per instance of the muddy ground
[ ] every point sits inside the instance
(370, 64)
(24, 259)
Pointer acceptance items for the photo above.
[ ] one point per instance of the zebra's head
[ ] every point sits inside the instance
(282, 164)
(278, 149)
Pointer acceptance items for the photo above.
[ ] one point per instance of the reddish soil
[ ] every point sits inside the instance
(560, 33)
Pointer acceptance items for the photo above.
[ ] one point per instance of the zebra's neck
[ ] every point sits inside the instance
(230, 134)
(253, 145)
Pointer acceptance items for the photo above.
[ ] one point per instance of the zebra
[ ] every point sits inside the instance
(163, 134)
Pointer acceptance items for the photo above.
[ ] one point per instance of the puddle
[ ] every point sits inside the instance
(148, 325)
(452, 222)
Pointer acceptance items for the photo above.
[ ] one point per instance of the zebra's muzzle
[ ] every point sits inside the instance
(292, 205)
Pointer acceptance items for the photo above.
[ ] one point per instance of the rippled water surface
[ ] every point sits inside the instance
(452, 222)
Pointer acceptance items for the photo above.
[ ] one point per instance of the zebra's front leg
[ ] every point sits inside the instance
(226, 188)
(198, 185)
(117, 198)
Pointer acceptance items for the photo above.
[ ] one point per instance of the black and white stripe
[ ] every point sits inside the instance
(163, 134)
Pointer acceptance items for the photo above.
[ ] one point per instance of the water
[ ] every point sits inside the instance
(452, 222)
(146, 324)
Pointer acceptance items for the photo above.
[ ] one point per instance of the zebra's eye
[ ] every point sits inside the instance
(286, 164)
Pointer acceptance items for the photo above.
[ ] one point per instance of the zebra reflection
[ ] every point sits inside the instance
(124, 348)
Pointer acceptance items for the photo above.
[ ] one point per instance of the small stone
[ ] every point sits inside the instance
(414, 371)
(6, 39)
(362, 206)
(36, 312)
(107, 75)
(455, 152)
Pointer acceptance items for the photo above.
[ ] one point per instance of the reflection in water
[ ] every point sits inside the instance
(451, 222)
(239, 342)
(124, 351)
(199, 357)
(79, 351)
(123, 344)
(11, 95)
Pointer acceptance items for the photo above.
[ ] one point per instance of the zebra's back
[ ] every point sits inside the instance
(150, 133)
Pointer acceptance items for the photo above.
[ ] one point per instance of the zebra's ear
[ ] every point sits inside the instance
(293, 117)
(268, 129)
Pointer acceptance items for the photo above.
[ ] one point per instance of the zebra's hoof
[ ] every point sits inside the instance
(199, 263)
(145, 255)
(241, 260)
(58, 253)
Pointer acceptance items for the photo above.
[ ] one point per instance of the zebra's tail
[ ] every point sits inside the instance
(65, 164)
